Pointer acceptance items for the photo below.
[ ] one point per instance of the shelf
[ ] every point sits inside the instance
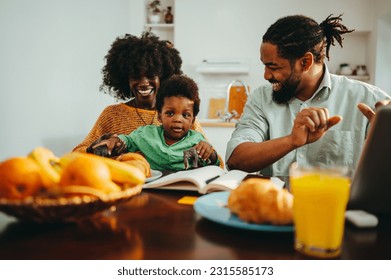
(363, 78)
(223, 67)
(216, 123)
(160, 25)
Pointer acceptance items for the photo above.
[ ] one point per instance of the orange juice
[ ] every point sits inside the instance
(320, 199)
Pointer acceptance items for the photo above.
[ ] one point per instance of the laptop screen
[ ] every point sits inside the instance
(371, 184)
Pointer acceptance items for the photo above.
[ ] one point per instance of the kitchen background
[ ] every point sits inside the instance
(52, 52)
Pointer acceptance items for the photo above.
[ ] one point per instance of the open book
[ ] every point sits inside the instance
(204, 180)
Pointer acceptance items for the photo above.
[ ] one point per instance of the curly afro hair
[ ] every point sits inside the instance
(181, 86)
(132, 56)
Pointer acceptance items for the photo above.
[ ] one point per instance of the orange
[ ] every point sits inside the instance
(136, 160)
(140, 165)
(88, 171)
(20, 177)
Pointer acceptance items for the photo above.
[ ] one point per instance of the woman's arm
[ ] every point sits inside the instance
(109, 145)
(101, 127)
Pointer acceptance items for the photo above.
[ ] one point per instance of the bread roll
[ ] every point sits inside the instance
(259, 201)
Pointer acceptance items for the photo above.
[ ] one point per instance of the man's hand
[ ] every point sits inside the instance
(311, 124)
(368, 112)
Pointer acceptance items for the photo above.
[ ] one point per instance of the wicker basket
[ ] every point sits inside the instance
(64, 209)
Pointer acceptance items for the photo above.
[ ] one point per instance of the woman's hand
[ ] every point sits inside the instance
(108, 145)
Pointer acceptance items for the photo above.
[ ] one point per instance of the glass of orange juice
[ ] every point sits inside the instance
(320, 196)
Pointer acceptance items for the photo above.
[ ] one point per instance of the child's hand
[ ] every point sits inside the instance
(204, 150)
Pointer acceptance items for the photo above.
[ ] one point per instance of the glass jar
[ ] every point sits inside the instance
(169, 18)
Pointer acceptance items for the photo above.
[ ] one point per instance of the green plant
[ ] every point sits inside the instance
(153, 7)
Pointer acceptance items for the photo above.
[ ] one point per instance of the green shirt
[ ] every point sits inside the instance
(150, 141)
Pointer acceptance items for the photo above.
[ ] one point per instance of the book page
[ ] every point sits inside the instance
(226, 182)
(194, 179)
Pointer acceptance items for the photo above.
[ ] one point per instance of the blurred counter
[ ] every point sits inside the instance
(216, 123)
(218, 133)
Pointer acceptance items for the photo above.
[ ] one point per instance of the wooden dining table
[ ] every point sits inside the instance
(155, 226)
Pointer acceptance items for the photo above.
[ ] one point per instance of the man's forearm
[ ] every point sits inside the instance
(252, 157)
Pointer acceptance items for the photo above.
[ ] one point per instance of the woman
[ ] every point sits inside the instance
(134, 69)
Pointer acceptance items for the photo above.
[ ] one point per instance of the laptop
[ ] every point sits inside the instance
(371, 183)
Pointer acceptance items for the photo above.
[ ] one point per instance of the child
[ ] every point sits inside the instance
(177, 104)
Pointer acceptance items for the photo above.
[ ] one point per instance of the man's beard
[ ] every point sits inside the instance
(287, 91)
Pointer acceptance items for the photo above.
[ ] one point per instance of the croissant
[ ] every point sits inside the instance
(136, 160)
(259, 201)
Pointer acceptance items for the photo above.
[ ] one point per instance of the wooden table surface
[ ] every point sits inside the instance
(154, 226)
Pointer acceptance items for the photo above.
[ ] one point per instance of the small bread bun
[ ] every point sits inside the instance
(259, 201)
(136, 160)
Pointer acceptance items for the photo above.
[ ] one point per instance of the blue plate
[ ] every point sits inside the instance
(213, 207)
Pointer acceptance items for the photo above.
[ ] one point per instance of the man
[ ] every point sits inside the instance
(306, 115)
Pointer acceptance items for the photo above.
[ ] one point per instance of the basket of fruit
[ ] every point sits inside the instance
(41, 187)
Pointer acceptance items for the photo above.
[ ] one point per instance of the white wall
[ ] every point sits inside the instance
(51, 55)
(383, 60)
(383, 44)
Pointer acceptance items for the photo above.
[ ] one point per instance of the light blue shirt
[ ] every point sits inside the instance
(263, 119)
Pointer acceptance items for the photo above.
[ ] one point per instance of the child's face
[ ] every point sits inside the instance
(144, 89)
(176, 117)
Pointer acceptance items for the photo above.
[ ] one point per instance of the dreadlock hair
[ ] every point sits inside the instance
(295, 35)
(132, 56)
(180, 86)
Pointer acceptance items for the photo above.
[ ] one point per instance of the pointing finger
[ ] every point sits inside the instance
(367, 111)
